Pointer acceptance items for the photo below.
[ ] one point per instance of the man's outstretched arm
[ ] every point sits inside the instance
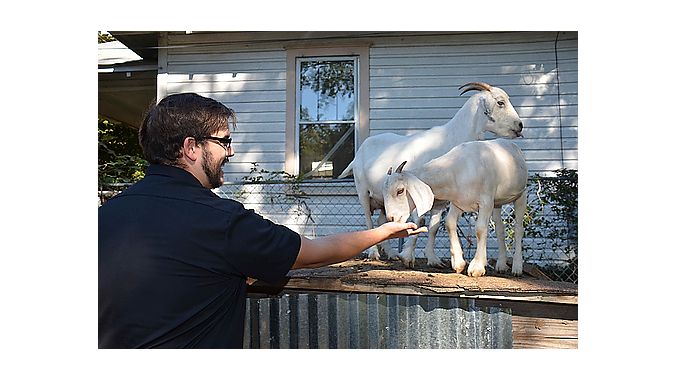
(340, 247)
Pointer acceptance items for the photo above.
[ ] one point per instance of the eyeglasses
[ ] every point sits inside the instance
(222, 141)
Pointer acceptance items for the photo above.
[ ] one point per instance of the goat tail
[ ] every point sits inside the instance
(347, 171)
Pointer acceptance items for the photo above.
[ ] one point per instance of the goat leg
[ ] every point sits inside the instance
(501, 266)
(519, 212)
(457, 261)
(435, 223)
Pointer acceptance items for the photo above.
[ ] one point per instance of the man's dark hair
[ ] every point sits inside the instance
(167, 124)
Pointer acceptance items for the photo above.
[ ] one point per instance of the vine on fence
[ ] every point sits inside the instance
(260, 176)
(291, 184)
(557, 196)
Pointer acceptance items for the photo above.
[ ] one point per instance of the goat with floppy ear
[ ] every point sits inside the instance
(476, 176)
(408, 193)
(489, 110)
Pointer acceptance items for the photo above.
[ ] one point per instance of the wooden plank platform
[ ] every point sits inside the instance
(390, 277)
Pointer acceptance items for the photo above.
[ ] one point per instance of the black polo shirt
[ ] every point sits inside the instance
(173, 262)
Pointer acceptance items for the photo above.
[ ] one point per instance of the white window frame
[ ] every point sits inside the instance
(361, 116)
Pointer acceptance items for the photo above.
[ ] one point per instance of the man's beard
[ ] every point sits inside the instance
(213, 171)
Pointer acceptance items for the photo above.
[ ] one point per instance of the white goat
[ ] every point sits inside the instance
(488, 110)
(474, 176)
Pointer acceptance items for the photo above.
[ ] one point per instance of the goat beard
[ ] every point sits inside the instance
(213, 171)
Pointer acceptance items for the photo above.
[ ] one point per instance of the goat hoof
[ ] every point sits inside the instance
(458, 266)
(477, 273)
(501, 266)
(436, 264)
(373, 254)
(476, 270)
(517, 268)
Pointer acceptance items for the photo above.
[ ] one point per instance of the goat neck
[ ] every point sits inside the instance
(468, 124)
(435, 173)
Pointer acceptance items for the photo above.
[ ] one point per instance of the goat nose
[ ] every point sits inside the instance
(390, 219)
(520, 126)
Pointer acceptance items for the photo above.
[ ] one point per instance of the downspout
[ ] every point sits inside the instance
(558, 94)
(162, 63)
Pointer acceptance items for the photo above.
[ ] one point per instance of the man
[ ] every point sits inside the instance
(174, 257)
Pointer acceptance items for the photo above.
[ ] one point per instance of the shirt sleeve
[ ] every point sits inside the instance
(260, 248)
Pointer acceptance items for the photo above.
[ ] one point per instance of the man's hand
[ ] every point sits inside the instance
(401, 230)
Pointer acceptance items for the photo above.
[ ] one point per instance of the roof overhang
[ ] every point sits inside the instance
(142, 43)
(127, 83)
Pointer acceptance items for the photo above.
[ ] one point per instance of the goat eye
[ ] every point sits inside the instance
(501, 103)
(400, 191)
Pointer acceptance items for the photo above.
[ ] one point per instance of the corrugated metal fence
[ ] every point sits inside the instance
(358, 320)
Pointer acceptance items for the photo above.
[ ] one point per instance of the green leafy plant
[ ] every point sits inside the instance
(105, 37)
(552, 219)
(120, 158)
(291, 192)
(258, 175)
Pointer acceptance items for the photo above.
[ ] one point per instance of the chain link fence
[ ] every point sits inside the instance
(317, 208)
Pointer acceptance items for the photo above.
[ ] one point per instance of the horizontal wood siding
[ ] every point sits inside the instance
(414, 80)
(530, 332)
(414, 86)
(249, 79)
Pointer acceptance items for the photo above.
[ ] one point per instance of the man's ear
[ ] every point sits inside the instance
(189, 149)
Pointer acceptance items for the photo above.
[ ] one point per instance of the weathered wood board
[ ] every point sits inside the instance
(391, 277)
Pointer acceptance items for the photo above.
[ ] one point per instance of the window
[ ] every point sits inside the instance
(326, 111)
(326, 104)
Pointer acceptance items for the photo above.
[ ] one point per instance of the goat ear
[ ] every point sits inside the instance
(421, 194)
(487, 111)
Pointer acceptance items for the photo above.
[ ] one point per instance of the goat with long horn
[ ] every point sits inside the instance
(478, 86)
(382, 151)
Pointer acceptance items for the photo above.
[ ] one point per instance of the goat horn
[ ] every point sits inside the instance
(389, 171)
(401, 166)
(479, 86)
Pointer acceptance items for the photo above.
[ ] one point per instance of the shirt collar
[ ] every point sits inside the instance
(174, 172)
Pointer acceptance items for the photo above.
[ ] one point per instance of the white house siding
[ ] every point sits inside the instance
(249, 79)
(414, 86)
(414, 82)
